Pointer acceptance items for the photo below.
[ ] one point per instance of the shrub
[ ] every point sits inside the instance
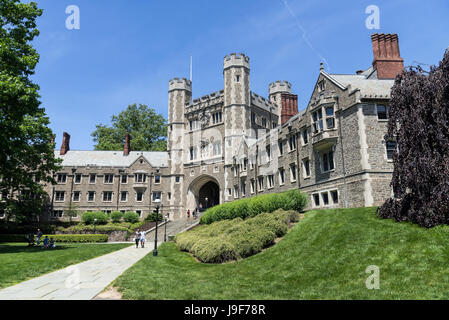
(131, 217)
(74, 238)
(116, 216)
(89, 218)
(251, 207)
(237, 238)
(152, 217)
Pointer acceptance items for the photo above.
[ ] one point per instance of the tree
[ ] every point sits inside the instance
(419, 121)
(148, 130)
(26, 142)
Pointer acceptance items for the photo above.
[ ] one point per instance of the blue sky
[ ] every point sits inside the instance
(125, 52)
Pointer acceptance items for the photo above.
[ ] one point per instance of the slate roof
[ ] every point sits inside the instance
(111, 158)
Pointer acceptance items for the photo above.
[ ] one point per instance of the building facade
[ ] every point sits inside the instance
(234, 144)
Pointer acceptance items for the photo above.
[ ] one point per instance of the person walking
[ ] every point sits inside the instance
(137, 239)
(38, 236)
(188, 214)
(142, 239)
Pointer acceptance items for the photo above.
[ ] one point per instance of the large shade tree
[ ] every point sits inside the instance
(148, 130)
(419, 121)
(26, 157)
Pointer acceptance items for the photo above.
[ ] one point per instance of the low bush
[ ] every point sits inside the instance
(152, 217)
(251, 207)
(131, 217)
(116, 216)
(234, 239)
(89, 218)
(74, 238)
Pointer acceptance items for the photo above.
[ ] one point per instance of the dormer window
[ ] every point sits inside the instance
(321, 86)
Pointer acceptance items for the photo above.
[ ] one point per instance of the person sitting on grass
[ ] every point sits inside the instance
(45, 242)
(30, 239)
(52, 243)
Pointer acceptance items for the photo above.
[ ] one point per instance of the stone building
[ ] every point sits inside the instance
(234, 144)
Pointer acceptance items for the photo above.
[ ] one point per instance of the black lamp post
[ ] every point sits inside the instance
(157, 201)
(206, 201)
(95, 225)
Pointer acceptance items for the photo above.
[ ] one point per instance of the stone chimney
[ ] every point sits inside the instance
(289, 106)
(65, 144)
(387, 59)
(127, 147)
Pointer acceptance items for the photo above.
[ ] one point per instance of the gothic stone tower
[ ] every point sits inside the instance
(179, 95)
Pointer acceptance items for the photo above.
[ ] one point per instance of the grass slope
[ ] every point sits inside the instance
(323, 257)
(18, 262)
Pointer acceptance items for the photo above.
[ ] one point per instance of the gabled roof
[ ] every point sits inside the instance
(111, 158)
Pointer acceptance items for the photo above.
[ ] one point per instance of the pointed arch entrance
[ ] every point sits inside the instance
(203, 192)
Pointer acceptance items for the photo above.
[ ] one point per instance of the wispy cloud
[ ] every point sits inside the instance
(304, 33)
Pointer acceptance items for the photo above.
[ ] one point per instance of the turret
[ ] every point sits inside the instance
(275, 91)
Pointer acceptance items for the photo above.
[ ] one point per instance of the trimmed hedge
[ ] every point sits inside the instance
(67, 238)
(235, 239)
(251, 207)
(116, 216)
(152, 217)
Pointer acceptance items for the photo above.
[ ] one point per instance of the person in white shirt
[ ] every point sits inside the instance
(142, 238)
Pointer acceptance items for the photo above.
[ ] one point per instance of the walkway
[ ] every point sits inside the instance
(85, 280)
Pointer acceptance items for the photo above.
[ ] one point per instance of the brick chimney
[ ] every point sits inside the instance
(289, 106)
(387, 59)
(65, 144)
(127, 147)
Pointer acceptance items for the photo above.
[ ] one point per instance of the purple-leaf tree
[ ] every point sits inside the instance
(419, 123)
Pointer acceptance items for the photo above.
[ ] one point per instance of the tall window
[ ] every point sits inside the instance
(270, 181)
(243, 187)
(325, 197)
(107, 196)
(157, 179)
(391, 147)
(253, 186)
(91, 196)
(108, 178)
(139, 196)
(59, 196)
(264, 122)
(157, 195)
(334, 195)
(317, 118)
(260, 180)
(123, 196)
(316, 199)
(281, 147)
(217, 117)
(62, 178)
(192, 153)
(281, 176)
(305, 137)
(268, 150)
(293, 172)
(78, 178)
(306, 165)
(124, 178)
(194, 124)
(330, 118)
(76, 196)
(140, 178)
(292, 143)
(236, 191)
(328, 161)
(92, 178)
(253, 117)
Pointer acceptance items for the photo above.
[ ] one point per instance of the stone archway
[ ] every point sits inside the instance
(201, 188)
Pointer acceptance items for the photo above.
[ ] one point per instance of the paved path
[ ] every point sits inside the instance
(82, 281)
(85, 280)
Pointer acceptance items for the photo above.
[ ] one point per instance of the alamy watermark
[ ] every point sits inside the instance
(373, 20)
(73, 20)
(373, 281)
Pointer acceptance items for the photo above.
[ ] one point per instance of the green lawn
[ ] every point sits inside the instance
(323, 257)
(18, 262)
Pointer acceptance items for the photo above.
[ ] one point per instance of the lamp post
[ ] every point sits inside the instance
(157, 201)
(165, 234)
(206, 202)
(95, 225)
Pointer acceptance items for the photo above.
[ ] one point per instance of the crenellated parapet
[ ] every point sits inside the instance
(180, 84)
(262, 103)
(206, 101)
(236, 60)
(279, 86)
